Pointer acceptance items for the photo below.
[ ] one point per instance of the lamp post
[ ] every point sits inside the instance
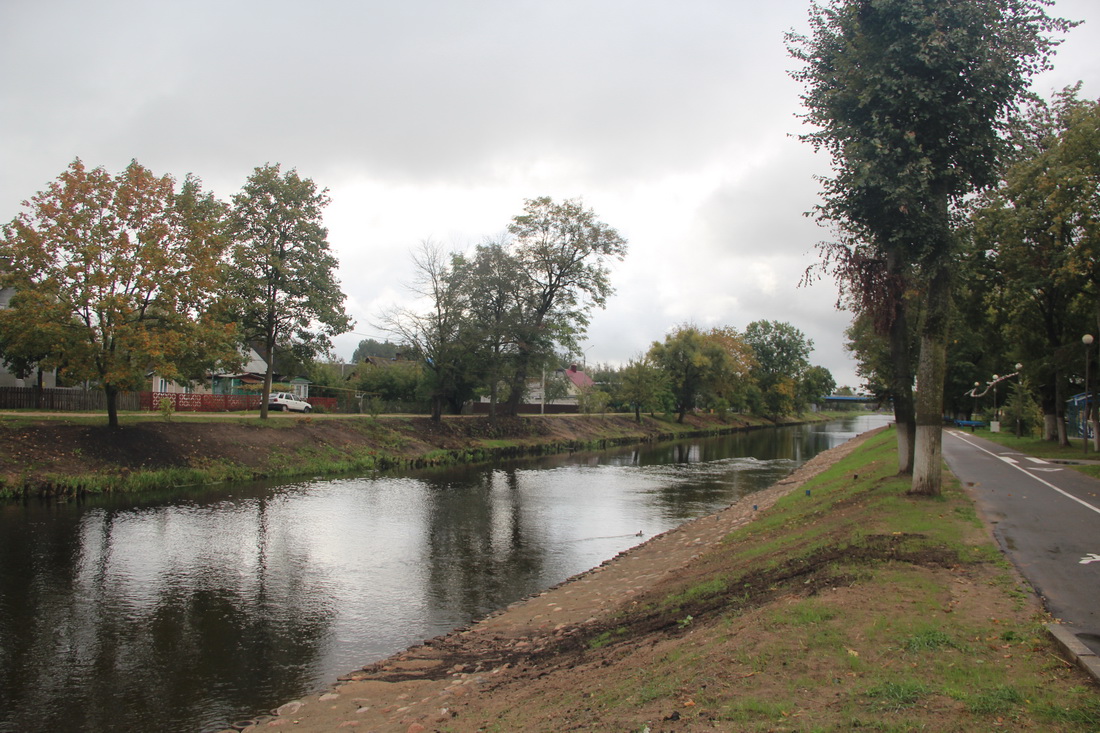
(1087, 341)
(1019, 399)
(974, 394)
(995, 423)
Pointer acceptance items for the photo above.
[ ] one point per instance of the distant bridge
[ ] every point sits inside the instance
(860, 398)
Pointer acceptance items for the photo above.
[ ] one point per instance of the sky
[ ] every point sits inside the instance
(676, 122)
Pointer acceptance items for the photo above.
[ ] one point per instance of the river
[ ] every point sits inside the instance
(189, 613)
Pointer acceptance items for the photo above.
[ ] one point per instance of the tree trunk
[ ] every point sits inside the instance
(902, 389)
(1048, 396)
(1060, 409)
(518, 388)
(494, 387)
(265, 393)
(111, 393)
(928, 454)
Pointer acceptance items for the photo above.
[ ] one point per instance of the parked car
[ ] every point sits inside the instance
(287, 401)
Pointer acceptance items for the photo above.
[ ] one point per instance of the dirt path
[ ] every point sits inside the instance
(429, 687)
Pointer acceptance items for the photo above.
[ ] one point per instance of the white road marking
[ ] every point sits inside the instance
(1066, 494)
(1007, 459)
(1091, 557)
(1033, 459)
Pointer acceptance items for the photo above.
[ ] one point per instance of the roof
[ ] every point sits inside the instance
(578, 378)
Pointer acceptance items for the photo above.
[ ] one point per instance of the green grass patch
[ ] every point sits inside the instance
(899, 695)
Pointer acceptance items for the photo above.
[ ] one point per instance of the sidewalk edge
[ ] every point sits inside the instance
(1085, 658)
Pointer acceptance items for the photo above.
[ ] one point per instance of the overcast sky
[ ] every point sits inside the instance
(435, 119)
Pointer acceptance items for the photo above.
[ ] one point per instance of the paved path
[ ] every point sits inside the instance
(1047, 520)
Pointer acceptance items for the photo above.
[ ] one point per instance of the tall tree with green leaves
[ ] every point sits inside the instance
(817, 382)
(562, 251)
(283, 275)
(1038, 238)
(493, 282)
(642, 385)
(115, 276)
(912, 98)
(782, 353)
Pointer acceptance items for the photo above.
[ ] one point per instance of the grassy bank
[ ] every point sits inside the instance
(74, 455)
(847, 605)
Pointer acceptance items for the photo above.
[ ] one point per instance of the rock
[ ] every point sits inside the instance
(289, 709)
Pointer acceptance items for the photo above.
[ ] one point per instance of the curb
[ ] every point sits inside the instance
(1085, 657)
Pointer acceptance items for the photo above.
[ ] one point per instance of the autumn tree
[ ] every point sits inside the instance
(282, 281)
(115, 277)
(911, 98)
(695, 363)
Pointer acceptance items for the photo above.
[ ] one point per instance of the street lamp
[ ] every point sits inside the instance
(1019, 398)
(1087, 341)
(996, 417)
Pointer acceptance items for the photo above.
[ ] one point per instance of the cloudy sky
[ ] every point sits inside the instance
(435, 119)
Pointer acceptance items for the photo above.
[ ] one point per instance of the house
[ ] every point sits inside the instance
(248, 380)
(576, 382)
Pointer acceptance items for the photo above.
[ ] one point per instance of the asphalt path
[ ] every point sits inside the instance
(1046, 518)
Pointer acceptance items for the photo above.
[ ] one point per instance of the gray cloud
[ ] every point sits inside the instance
(436, 119)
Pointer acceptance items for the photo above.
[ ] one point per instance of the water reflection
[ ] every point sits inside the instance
(189, 614)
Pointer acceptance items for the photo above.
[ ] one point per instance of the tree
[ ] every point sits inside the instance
(911, 99)
(438, 336)
(817, 382)
(781, 353)
(114, 277)
(282, 278)
(372, 347)
(493, 282)
(1038, 235)
(562, 252)
(696, 363)
(642, 386)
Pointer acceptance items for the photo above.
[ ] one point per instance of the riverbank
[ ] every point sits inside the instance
(66, 455)
(831, 601)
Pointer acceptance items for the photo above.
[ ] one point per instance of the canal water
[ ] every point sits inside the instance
(191, 613)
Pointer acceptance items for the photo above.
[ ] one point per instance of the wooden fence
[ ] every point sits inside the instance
(63, 400)
(78, 400)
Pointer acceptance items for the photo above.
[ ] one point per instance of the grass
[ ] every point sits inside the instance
(927, 628)
(370, 444)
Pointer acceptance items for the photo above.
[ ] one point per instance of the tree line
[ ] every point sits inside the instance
(496, 320)
(119, 276)
(763, 371)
